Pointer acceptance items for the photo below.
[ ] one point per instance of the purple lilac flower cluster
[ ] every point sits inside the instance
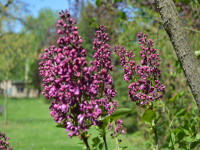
(102, 84)
(101, 88)
(146, 86)
(117, 128)
(82, 95)
(4, 145)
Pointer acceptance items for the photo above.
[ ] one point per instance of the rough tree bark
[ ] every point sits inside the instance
(174, 28)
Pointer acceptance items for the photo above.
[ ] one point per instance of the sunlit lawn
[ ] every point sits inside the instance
(30, 127)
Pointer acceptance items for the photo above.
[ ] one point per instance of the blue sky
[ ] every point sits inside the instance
(35, 5)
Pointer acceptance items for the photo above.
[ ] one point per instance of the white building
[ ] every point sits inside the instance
(17, 89)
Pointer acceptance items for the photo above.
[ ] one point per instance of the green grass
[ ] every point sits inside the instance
(30, 127)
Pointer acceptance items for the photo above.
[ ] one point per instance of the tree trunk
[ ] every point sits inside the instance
(6, 99)
(26, 77)
(174, 28)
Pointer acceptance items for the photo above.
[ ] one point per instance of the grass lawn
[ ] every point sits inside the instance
(30, 127)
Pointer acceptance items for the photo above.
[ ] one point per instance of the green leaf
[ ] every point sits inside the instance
(157, 119)
(181, 113)
(183, 146)
(123, 148)
(177, 96)
(194, 144)
(95, 141)
(172, 139)
(170, 144)
(197, 53)
(188, 139)
(98, 2)
(160, 126)
(60, 126)
(94, 19)
(105, 122)
(100, 146)
(185, 130)
(122, 15)
(192, 126)
(198, 136)
(149, 116)
(173, 98)
(180, 135)
(118, 1)
(181, 94)
(81, 143)
(120, 113)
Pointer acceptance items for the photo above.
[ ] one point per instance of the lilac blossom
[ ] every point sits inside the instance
(102, 80)
(145, 87)
(116, 128)
(101, 88)
(4, 145)
(82, 95)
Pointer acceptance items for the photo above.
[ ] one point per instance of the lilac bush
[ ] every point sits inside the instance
(145, 86)
(4, 145)
(82, 94)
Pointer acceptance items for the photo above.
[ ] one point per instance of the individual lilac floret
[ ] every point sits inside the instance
(145, 86)
(116, 128)
(82, 95)
(4, 145)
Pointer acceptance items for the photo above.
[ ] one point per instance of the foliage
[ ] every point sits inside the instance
(12, 12)
(176, 116)
(12, 46)
(41, 28)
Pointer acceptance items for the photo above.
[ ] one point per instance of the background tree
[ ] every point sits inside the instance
(23, 47)
(12, 56)
(42, 28)
(10, 12)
